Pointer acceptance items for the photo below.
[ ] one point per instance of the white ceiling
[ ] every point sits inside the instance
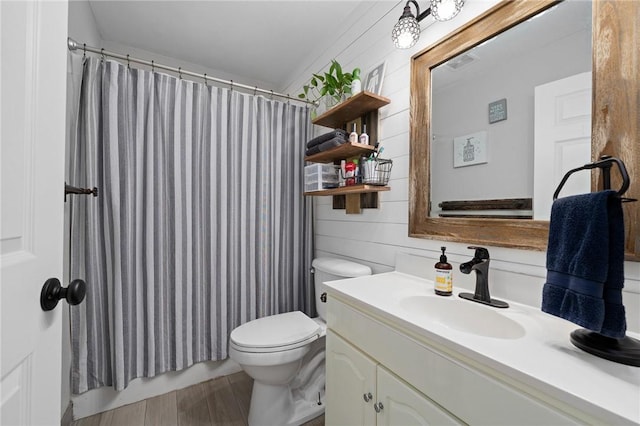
(561, 21)
(253, 40)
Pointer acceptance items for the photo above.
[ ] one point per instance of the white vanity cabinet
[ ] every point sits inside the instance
(401, 404)
(362, 392)
(419, 381)
(350, 384)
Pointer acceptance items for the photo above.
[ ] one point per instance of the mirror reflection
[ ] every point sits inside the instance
(510, 116)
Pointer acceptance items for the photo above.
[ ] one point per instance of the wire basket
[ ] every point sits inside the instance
(377, 172)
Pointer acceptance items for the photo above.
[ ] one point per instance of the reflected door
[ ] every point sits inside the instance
(562, 139)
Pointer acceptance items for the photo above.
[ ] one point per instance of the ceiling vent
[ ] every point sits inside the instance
(461, 61)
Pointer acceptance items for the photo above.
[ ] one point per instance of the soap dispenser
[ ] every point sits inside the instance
(443, 284)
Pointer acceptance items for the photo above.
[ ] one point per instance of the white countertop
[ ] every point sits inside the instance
(543, 357)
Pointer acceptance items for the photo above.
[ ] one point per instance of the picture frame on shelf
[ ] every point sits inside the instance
(373, 82)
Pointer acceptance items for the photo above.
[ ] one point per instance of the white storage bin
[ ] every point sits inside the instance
(319, 176)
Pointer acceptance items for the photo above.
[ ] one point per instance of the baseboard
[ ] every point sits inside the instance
(67, 417)
(106, 398)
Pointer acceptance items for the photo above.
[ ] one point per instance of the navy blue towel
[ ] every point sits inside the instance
(327, 136)
(585, 262)
(338, 140)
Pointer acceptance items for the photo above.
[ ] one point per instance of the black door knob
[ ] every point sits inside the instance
(52, 292)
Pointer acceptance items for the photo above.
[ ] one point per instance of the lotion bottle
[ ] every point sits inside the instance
(364, 137)
(353, 137)
(443, 284)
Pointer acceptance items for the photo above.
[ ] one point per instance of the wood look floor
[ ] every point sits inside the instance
(221, 401)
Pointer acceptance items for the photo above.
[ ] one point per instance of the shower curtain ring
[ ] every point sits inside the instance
(128, 63)
(102, 54)
(205, 79)
(271, 97)
(255, 89)
(153, 68)
(84, 50)
(231, 86)
(180, 72)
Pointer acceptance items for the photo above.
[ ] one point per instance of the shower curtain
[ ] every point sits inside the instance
(200, 224)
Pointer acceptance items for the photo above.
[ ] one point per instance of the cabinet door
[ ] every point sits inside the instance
(403, 405)
(350, 376)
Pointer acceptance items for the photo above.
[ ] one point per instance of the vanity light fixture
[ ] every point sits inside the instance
(406, 32)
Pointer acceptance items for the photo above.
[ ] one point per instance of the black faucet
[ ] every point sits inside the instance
(480, 264)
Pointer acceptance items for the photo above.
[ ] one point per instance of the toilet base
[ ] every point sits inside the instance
(275, 405)
(306, 412)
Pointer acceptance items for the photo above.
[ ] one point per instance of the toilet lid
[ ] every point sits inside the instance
(276, 331)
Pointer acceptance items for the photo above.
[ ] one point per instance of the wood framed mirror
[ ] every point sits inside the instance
(615, 121)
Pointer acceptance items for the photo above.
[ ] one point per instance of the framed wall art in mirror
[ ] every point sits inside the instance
(614, 123)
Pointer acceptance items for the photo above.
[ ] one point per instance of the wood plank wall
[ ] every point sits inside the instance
(376, 235)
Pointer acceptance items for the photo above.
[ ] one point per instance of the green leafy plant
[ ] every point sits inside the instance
(335, 84)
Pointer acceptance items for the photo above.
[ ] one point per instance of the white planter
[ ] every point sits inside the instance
(356, 87)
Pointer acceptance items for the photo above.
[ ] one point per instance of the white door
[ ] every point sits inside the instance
(562, 140)
(403, 405)
(32, 128)
(350, 384)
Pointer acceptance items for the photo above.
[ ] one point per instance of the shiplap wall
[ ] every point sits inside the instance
(377, 235)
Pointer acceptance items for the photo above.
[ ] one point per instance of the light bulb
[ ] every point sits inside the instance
(405, 33)
(443, 10)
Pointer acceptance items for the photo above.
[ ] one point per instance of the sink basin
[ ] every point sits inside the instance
(464, 316)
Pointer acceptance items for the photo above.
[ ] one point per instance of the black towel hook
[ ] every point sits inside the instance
(604, 163)
(68, 189)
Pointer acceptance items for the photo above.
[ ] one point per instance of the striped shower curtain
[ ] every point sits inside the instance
(200, 224)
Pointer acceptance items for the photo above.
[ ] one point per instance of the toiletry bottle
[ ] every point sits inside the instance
(343, 172)
(364, 137)
(350, 174)
(444, 278)
(362, 166)
(353, 137)
(357, 173)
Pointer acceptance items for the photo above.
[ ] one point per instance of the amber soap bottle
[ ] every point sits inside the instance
(444, 276)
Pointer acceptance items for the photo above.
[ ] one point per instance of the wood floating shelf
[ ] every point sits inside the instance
(340, 152)
(353, 189)
(362, 106)
(352, 108)
(353, 195)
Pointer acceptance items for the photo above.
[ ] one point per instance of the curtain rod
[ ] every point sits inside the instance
(74, 45)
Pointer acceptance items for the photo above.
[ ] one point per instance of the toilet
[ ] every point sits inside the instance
(284, 354)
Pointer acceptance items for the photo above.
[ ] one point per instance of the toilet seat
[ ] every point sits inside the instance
(275, 333)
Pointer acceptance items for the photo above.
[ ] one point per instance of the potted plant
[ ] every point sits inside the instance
(333, 85)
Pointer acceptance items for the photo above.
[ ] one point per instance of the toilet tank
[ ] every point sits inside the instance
(330, 269)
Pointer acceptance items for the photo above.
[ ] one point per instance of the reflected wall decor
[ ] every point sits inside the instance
(469, 150)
